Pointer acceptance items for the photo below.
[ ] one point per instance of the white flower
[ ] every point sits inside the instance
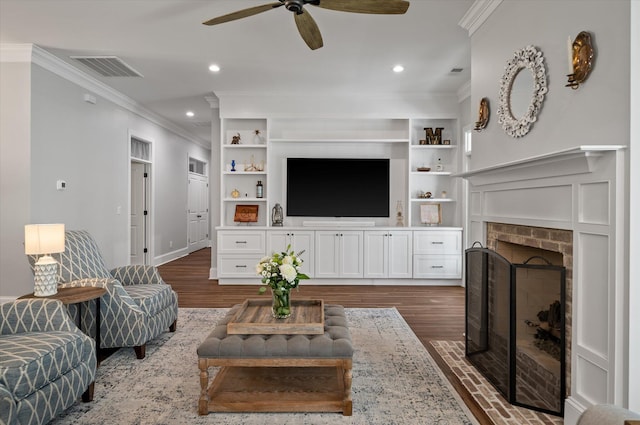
(288, 272)
(287, 260)
(259, 268)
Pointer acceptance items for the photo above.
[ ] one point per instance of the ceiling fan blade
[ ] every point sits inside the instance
(384, 7)
(243, 13)
(308, 29)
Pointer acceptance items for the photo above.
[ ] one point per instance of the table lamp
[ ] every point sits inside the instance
(44, 239)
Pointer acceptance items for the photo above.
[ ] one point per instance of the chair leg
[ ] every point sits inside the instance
(87, 396)
(141, 351)
(172, 327)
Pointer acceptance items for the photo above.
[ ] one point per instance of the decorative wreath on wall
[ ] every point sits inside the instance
(531, 59)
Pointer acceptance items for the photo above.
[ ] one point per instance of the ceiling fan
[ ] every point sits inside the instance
(307, 27)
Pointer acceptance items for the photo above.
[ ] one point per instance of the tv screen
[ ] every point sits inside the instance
(337, 187)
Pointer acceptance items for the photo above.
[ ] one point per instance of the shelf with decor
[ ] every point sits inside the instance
(432, 162)
(244, 149)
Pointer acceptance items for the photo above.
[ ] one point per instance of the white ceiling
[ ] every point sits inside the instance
(166, 42)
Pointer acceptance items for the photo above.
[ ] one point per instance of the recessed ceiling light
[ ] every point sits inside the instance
(190, 114)
(214, 68)
(398, 68)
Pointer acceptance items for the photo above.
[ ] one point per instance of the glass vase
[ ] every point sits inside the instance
(281, 303)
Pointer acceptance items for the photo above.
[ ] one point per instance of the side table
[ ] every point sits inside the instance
(78, 295)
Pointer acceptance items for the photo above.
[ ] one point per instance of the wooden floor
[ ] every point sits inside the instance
(432, 312)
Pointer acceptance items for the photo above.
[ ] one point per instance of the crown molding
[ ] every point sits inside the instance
(214, 102)
(477, 14)
(464, 91)
(15, 53)
(37, 55)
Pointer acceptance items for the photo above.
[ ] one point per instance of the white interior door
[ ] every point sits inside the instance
(198, 212)
(139, 213)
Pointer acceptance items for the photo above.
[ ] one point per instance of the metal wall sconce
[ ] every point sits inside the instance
(580, 59)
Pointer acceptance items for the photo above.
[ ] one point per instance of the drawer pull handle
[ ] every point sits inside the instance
(437, 243)
(241, 266)
(437, 267)
(241, 241)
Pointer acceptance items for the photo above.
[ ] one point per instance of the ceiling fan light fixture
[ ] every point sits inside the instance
(190, 114)
(214, 68)
(398, 68)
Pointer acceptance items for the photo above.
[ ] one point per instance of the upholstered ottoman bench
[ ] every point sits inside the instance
(278, 373)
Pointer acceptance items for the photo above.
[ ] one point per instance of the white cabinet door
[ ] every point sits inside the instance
(400, 257)
(327, 254)
(300, 241)
(241, 242)
(437, 267)
(338, 254)
(387, 254)
(351, 254)
(437, 242)
(375, 254)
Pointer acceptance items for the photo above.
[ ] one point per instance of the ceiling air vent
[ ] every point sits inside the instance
(107, 66)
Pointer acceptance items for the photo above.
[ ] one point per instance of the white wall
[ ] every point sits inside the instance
(595, 114)
(87, 145)
(15, 150)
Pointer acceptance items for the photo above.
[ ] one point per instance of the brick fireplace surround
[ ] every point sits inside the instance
(572, 202)
(553, 240)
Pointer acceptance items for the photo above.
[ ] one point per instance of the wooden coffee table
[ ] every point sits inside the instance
(275, 379)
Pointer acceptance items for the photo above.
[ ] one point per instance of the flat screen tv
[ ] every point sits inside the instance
(337, 187)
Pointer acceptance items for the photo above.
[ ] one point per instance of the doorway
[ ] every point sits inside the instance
(139, 213)
(140, 201)
(198, 205)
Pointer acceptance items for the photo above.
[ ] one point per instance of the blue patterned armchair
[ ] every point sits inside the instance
(46, 362)
(138, 305)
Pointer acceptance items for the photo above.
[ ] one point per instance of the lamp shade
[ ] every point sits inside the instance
(43, 238)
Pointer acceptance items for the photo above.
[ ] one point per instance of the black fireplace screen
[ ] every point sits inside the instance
(515, 330)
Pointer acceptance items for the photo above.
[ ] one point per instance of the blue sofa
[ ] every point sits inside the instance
(46, 362)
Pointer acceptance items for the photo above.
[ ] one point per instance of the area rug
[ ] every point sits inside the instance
(395, 380)
(481, 390)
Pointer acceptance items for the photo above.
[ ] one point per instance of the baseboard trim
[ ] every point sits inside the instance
(213, 273)
(572, 411)
(170, 256)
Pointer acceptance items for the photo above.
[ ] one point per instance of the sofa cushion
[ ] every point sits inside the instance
(29, 361)
(151, 298)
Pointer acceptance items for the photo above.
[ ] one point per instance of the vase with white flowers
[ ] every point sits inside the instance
(281, 273)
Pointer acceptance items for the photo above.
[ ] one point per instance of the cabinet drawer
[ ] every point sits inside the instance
(437, 242)
(238, 266)
(437, 266)
(241, 242)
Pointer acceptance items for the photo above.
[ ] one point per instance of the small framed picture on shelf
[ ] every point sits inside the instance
(431, 214)
(246, 214)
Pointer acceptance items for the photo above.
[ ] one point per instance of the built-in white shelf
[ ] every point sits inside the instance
(237, 173)
(433, 146)
(244, 199)
(431, 173)
(338, 140)
(432, 200)
(244, 146)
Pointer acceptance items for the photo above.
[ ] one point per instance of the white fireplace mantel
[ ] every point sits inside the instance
(582, 189)
(578, 160)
